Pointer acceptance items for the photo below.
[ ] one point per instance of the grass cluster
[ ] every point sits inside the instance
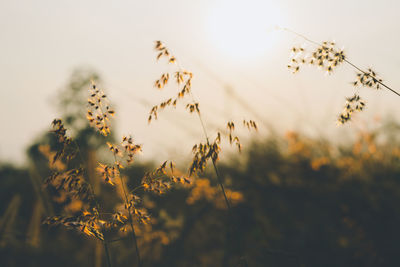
(72, 179)
(269, 201)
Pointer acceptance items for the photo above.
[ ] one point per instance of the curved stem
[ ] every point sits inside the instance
(228, 204)
(345, 60)
(381, 83)
(221, 185)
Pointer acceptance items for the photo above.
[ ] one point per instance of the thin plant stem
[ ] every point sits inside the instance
(107, 253)
(93, 196)
(221, 185)
(228, 204)
(139, 261)
(219, 179)
(217, 173)
(131, 224)
(345, 60)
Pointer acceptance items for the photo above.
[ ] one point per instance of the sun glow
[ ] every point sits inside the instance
(244, 30)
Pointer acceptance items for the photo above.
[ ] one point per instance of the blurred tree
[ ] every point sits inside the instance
(72, 100)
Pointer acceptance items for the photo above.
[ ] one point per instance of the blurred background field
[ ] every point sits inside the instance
(298, 201)
(304, 191)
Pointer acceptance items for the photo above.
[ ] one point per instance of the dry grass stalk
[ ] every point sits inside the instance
(327, 56)
(203, 151)
(74, 183)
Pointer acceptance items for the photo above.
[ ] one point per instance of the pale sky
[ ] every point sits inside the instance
(224, 43)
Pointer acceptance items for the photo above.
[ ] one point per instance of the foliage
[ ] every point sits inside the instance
(301, 200)
(287, 201)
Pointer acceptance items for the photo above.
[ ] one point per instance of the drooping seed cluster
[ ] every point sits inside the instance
(233, 139)
(326, 56)
(193, 107)
(133, 205)
(61, 133)
(71, 182)
(126, 151)
(87, 223)
(109, 172)
(117, 220)
(130, 148)
(202, 152)
(353, 104)
(163, 51)
(99, 110)
(368, 79)
(159, 180)
(250, 124)
(160, 83)
(183, 79)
